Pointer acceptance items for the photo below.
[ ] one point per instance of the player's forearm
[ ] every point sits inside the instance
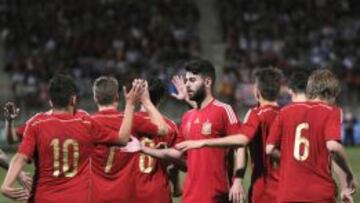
(16, 165)
(340, 174)
(169, 154)
(229, 141)
(126, 125)
(10, 131)
(338, 156)
(156, 117)
(240, 163)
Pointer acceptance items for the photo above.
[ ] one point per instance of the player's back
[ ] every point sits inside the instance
(113, 171)
(264, 174)
(305, 163)
(152, 182)
(60, 145)
(111, 181)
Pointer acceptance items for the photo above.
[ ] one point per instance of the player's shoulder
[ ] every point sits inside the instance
(39, 117)
(81, 113)
(267, 110)
(102, 115)
(295, 106)
(221, 105)
(226, 110)
(188, 114)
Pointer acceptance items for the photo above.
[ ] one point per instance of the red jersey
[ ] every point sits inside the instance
(207, 178)
(264, 177)
(111, 179)
(60, 145)
(152, 182)
(303, 129)
(20, 130)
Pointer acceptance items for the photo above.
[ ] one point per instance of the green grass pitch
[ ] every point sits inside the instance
(353, 155)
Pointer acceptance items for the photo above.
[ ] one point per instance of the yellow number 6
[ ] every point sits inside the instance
(301, 140)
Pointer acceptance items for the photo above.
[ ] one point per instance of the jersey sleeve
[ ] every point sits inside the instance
(174, 135)
(275, 132)
(28, 144)
(232, 122)
(142, 125)
(333, 125)
(251, 124)
(101, 134)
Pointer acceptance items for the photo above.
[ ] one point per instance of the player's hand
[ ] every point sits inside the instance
(347, 196)
(145, 96)
(237, 192)
(181, 92)
(178, 82)
(191, 144)
(25, 180)
(348, 191)
(18, 194)
(133, 146)
(135, 92)
(10, 111)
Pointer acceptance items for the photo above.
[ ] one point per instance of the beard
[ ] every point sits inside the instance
(199, 95)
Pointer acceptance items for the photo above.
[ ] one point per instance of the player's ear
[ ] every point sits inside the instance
(290, 92)
(257, 93)
(208, 82)
(51, 104)
(73, 100)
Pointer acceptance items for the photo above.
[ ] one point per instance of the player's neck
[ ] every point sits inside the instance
(318, 99)
(68, 109)
(108, 107)
(268, 103)
(299, 98)
(206, 101)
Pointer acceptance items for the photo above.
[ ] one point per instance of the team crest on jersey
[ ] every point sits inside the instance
(206, 128)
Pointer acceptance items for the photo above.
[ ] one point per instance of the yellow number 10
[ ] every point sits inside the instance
(301, 140)
(55, 143)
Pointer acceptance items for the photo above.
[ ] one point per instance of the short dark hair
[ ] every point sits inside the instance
(298, 80)
(323, 84)
(156, 90)
(61, 89)
(268, 81)
(105, 90)
(203, 68)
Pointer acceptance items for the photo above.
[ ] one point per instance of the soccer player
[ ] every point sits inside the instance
(255, 129)
(309, 133)
(206, 180)
(112, 168)
(60, 146)
(150, 173)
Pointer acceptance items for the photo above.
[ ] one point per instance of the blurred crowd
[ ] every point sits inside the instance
(290, 34)
(128, 38)
(125, 38)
